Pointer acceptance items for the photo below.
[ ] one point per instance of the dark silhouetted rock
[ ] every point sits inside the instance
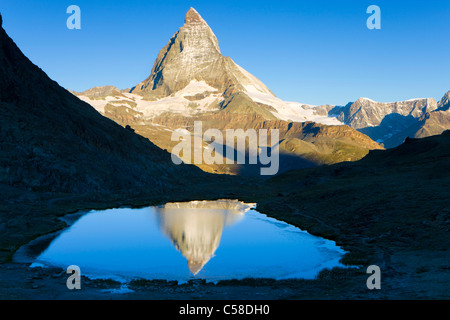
(52, 141)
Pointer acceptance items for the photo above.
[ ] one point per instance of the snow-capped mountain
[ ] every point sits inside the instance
(190, 76)
(392, 122)
(192, 81)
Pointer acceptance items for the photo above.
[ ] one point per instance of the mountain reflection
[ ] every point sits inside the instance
(195, 228)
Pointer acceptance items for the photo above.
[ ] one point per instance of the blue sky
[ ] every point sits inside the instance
(317, 52)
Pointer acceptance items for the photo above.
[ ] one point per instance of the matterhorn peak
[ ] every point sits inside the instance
(192, 16)
(192, 57)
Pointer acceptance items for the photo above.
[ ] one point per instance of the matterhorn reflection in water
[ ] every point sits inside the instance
(223, 239)
(195, 228)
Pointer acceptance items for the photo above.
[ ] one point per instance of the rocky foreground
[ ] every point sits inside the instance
(390, 209)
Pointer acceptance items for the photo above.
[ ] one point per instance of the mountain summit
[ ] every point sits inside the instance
(193, 56)
(192, 16)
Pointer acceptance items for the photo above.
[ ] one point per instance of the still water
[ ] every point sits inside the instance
(212, 240)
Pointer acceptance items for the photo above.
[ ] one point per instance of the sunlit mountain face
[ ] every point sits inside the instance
(191, 80)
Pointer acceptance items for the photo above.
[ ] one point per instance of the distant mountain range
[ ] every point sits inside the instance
(390, 123)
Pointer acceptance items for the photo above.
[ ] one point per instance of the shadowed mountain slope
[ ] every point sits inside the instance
(395, 198)
(52, 141)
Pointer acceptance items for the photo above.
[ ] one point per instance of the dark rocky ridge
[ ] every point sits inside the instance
(52, 141)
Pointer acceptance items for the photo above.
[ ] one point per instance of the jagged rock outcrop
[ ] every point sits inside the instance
(444, 103)
(433, 123)
(391, 123)
(368, 113)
